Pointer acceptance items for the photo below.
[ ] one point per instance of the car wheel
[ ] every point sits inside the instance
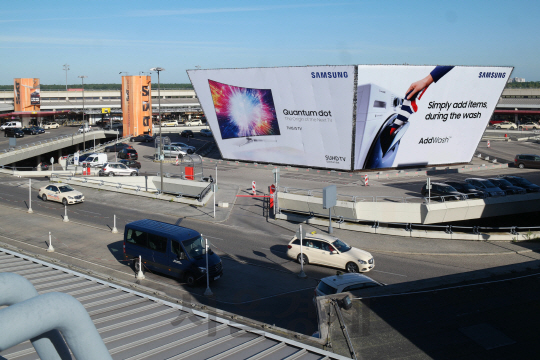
(498, 127)
(521, 166)
(107, 150)
(110, 174)
(132, 140)
(147, 141)
(351, 267)
(304, 257)
(64, 201)
(189, 278)
(133, 173)
(44, 197)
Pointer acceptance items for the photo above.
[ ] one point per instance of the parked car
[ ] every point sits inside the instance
(170, 249)
(529, 126)
(506, 125)
(40, 130)
(443, 191)
(61, 193)
(330, 251)
(527, 161)
(206, 132)
(167, 123)
(507, 186)
(486, 185)
(29, 131)
(194, 122)
(114, 126)
(184, 147)
(142, 138)
(187, 133)
(128, 154)
(524, 183)
(117, 147)
(343, 283)
(131, 163)
(468, 189)
(171, 151)
(51, 125)
(13, 132)
(117, 169)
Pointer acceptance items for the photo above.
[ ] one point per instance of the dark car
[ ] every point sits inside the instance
(131, 163)
(39, 130)
(521, 182)
(486, 185)
(142, 138)
(13, 132)
(29, 131)
(187, 133)
(507, 186)
(527, 161)
(117, 147)
(468, 189)
(130, 154)
(444, 191)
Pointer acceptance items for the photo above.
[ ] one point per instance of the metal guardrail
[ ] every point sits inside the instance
(353, 198)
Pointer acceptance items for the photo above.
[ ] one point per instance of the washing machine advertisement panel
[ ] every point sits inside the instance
(423, 115)
(287, 115)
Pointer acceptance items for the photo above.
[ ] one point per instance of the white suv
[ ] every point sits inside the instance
(115, 169)
(194, 122)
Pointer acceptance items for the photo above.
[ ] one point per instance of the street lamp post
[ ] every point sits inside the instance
(66, 68)
(158, 69)
(84, 127)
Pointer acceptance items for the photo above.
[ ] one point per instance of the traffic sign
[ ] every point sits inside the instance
(301, 235)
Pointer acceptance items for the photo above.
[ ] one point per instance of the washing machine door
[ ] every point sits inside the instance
(385, 145)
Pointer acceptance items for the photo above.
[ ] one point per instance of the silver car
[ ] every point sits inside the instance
(171, 151)
(184, 147)
(117, 169)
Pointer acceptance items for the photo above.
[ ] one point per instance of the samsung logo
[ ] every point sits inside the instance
(491, 75)
(329, 75)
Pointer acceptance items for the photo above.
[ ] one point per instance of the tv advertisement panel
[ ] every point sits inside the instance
(290, 115)
(423, 115)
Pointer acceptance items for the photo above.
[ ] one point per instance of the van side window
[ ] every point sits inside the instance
(136, 237)
(176, 249)
(157, 243)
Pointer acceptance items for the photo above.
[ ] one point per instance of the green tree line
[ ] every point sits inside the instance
(523, 85)
(45, 87)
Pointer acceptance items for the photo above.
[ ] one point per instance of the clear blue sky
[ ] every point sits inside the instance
(102, 38)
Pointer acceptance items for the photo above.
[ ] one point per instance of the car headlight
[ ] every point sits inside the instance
(202, 269)
(362, 261)
(70, 197)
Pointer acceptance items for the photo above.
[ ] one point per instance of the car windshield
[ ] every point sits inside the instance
(522, 181)
(503, 182)
(65, 188)
(487, 183)
(194, 247)
(448, 189)
(341, 246)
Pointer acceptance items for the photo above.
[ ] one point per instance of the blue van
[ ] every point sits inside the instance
(170, 249)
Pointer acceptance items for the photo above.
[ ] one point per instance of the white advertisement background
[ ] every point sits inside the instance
(293, 88)
(461, 84)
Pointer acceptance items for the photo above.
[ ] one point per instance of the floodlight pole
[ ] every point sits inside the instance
(158, 69)
(66, 68)
(84, 127)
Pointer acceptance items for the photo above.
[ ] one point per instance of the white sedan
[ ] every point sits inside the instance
(330, 251)
(61, 193)
(51, 126)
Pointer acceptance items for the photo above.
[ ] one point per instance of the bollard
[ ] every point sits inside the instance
(140, 275)
(66, 219)
(366, 181)
(50, 249)
(114, 229)
(30, 196)
(207, 292)
(253, 187)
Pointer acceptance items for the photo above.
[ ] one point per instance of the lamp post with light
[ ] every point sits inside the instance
(84, 127)
(158, 69)
(66, 68)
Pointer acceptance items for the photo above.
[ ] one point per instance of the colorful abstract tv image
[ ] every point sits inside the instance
(244, 112)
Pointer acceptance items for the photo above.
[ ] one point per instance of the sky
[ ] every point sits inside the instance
(101, 39)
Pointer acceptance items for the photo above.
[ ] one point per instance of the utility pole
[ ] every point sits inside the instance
(66, 68)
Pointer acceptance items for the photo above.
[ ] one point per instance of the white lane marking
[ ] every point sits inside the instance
(6, 194)
(385, 272)
(91, 212)
(213, 237)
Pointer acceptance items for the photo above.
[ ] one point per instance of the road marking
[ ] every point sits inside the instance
(89, 212)
(6, 194)
(385, 272)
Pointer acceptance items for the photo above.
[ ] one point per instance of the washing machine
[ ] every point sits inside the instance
(377, 136)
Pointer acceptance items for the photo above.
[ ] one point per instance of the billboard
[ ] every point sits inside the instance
(423, 115)
(136, 105)
(26, 94)
(308, 116)
(289, 115)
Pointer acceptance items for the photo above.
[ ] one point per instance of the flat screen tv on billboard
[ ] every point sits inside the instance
(403, 115)
(290, 115)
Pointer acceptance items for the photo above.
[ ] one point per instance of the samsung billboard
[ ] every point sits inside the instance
(308, 116)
